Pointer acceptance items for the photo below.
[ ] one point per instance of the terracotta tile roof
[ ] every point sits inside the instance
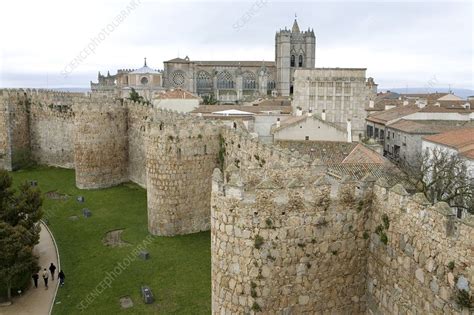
(449, 107)
(293, 120)
(209, 109)
(176, 94)
(275, 102)
(427, 126)
(428, 96)
(392, 114)
(457, 139)
(363, 155)
(468, 154)
(324, 151)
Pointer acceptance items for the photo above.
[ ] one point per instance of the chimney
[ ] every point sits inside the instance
(310, 112)
(278, 123)
(349, 130)
(299, 111)
(323, 115)
(371, 104)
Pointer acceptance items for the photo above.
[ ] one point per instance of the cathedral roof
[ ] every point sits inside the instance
(295, 28)
(144, 70)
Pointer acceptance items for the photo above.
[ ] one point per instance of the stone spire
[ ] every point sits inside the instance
(145, 63)
(295, 28)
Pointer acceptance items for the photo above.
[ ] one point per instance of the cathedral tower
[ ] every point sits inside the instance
(293, 49)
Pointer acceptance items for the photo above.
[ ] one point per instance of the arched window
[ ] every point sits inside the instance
(144, 80)
(271, 85)
(249, 81)
(204, 81)
(225, 80)
(292, 62)
(300, 61)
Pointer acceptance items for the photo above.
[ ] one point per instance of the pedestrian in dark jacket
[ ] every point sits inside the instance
(35, 277)
(52, 269)
(61, 277)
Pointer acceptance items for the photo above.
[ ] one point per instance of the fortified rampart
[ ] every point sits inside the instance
(285, 246)
(179, 164)
(285, 239)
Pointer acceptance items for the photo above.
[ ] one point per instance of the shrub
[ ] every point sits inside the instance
(386, 221)
(269, 222)
(256, 307)
(258, 242)
(463, 299)
(383, 238)
(451, 265)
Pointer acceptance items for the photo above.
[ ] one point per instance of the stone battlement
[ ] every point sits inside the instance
(285, 237)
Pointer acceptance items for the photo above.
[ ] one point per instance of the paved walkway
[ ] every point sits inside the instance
(37, 301)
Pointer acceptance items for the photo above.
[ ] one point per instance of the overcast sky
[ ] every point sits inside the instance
(404, 43)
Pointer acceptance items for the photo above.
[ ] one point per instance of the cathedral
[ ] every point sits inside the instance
(227, 81)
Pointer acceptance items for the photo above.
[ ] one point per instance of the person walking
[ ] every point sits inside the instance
(45, 278)
(61, 277)
(52, 269)
(35, 277)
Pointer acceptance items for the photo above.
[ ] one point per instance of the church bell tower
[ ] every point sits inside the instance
(294, 49)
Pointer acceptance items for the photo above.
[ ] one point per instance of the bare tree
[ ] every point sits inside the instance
(442, 176)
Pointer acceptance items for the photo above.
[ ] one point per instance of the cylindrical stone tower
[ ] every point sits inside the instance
(100, 144)
(180, 161)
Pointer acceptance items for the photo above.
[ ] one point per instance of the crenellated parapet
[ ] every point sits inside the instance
(286, 245)
(420, 254)
(301, 243)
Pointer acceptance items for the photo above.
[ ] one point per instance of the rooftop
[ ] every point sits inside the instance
(176, 94)
(394, 113)
(456, 139)
(426, 126)
(209, 109)
(236, 63)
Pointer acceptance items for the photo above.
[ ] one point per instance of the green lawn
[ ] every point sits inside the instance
(178, 272)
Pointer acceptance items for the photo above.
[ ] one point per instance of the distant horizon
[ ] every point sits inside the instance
(399, 46)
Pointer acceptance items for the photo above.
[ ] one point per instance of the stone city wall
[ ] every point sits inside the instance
(179, 165)
(427, 257)
(16, 110)
(5, 153)
(285, 246)
(52, 128)
(138, 117)
(100, 143)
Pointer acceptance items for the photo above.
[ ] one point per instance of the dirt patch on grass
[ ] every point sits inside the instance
(126, 302)
(114, 238)
(55, 195)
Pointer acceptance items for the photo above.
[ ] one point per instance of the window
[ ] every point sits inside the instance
(382, 134)
(178, 78)
(249, 81)
(300, 61)
(370, 131)
(376, 134)
(306, 137)
(321, 84)
(204, 81)
(292, 61)
(144, 81)
(225, 80)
